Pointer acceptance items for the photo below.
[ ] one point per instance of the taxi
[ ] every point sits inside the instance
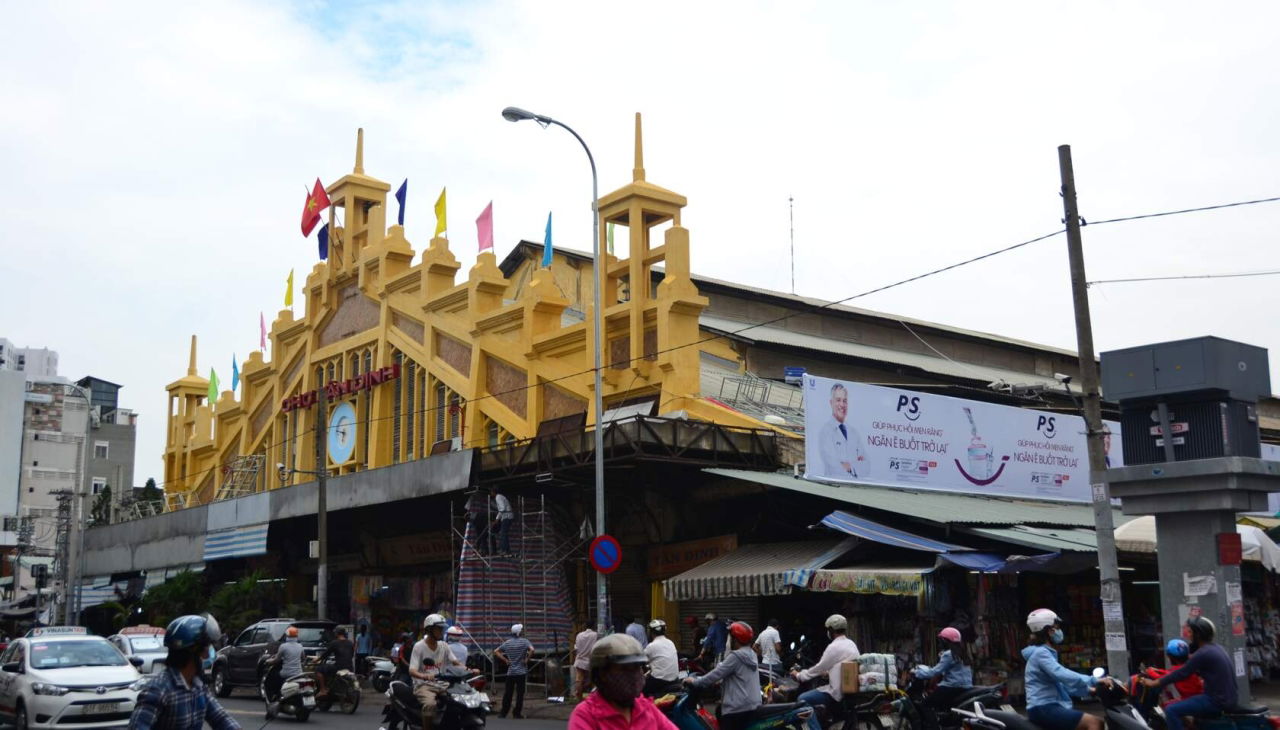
(62, 675)
(144, 642)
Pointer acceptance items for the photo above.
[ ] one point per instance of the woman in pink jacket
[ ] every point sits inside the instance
(617, 670)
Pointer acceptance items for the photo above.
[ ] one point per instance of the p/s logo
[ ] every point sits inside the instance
(1047, 426)
(909, 406)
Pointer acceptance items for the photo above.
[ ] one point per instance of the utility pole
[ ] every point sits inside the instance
(322, 507)
(62, 552)
(1103, 519)
(791, 211)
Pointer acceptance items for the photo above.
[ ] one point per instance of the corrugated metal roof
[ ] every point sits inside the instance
(941, 507)
(1048, 539)
(756, 570)
(928, 363)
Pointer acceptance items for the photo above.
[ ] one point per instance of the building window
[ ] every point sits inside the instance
(99, 484)
(100, 449)
(493, 434)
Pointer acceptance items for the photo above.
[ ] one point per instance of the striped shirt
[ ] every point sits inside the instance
(516, 650)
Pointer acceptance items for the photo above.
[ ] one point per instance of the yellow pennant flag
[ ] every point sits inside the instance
(288, 292)
(441, 224)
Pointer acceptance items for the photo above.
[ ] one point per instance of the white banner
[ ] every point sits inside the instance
(902, 438)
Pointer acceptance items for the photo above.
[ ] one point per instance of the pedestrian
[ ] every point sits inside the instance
(364, 647)
(514, 652)
(582, 645)
(617, 670)
(768, 648)
(635, 630)
(177, 698)
(505, 516)
(740, 675)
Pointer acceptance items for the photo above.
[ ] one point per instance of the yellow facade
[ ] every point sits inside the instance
(480, 362)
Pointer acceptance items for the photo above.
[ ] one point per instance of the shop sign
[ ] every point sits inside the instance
(867, 581)
(866, 434)
(336, 389)
(426, 547)
(668, 560)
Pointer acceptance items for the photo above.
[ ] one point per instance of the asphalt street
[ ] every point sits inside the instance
(247, 710)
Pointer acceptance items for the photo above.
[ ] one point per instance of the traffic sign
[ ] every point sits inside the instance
(605, 554)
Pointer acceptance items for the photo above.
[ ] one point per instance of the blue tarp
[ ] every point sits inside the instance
(866, 529)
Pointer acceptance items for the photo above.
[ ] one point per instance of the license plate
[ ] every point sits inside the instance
(886, 720)
(100, 708)
(308, 701)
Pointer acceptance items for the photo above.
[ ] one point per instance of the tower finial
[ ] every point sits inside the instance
(359, 152)
(637, 173)
(191, 364)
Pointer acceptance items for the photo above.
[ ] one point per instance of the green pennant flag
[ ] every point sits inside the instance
(213, 387)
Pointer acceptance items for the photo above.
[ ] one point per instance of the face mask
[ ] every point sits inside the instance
(1056, 636)
(206, 661)
(621, 686)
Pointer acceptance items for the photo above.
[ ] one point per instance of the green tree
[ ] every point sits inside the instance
(245, 601)
(100, 513)
(151, 493)
(118, 614)
(182, 594)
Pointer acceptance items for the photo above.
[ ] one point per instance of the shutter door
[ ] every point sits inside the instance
(745, 609)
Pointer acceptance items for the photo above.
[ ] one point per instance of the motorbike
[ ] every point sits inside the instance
(461, 705)
(297, 694)
(686, 713)
(910, 707)
(379, 670)
(342, 689)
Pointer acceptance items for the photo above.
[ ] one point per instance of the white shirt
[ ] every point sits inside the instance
(842, 649)
(663, 662)
(504, 507)
(835, 448)
(442, 656)
(768, 641)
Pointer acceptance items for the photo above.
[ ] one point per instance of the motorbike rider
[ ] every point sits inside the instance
(954, 668)
(840, 650)
(400, 658)
(1146, 698)
(285, 663)
(453, 637)
(1211, 662)
(740, 673)
(664, 662)
(714, 643)
(343, 652)
(617, 671)
(429, 656)
(177, 698)
(1049, 685)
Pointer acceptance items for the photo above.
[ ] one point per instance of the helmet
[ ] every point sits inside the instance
(291, 632)
(516, 629)
(1041, 619)
(1177, 648)
(950, 634)
(741, 632)
(658, 625)
(433, 621)
(454, 631)
(186, 632)
(710, 617)
(836, 622)
(616, 649)
(1202, 629)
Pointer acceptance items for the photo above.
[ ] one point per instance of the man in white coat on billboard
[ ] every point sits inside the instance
(840, 446)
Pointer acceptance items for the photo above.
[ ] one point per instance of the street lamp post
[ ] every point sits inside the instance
(515, 114)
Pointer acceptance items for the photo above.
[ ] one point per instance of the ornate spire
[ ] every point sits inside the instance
(637, 173)
(359, 169)
(191, 364)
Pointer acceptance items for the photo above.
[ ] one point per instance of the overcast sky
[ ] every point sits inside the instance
(155, 155)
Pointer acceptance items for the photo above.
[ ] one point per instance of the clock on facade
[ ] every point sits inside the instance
(342, 433)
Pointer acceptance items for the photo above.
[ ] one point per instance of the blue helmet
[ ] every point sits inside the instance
(1177, 648)
(186, 632)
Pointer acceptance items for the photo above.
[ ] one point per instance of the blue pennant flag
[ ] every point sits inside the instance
(323, 238)
(400, 196)
(546, 244)
(235, 374)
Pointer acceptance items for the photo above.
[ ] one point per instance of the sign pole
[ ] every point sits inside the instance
(322, 507)
(1104, 521)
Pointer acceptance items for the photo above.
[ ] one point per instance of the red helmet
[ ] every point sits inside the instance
(950, 634)
(741, 632)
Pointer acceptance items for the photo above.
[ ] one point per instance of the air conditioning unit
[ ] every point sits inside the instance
(455, 444)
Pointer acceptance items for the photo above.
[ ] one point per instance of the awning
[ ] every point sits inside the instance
(868, 530)
(1139, 536)
(238, 542)
(756, 570)
(889, 581)
(97, 591)
(1053, 563)
(1048, 539)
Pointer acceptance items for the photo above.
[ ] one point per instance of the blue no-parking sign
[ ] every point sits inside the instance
(605, 554)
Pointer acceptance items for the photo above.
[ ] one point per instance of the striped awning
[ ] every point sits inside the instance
(238, 542)
(97, 591)
(866, 529)
(756, 570)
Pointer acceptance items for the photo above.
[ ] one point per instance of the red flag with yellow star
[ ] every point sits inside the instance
(317, 201)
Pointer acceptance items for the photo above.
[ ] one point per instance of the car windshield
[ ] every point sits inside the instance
(314, 635)
(147, 644)
(86, 653)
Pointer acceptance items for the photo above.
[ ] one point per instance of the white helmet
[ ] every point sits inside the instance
(517, 629)
(433, 621)
(1041, 619)
(836, 622)
(658, 625)
(455, 631)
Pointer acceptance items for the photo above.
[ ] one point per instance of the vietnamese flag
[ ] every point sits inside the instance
(317, 201)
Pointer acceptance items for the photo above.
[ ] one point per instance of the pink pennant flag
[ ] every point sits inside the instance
(484, 228)
(262, 325)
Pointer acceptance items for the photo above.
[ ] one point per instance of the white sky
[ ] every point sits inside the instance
(155, 155)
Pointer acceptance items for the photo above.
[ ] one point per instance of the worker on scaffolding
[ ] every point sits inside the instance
(503, 523)
(477, 508)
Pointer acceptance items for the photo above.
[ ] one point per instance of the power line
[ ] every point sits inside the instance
(1188, 276)
(1180, 212)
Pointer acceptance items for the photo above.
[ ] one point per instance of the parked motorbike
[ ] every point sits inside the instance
(379, 670)
(297, 697)
(686, 713)
(461, 705)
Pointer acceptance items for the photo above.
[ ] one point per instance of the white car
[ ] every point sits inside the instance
(144, 642)
(61, 675)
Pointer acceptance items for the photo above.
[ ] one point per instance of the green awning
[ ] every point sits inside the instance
(1051, 540)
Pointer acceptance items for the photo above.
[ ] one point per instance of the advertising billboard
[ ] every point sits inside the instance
(869, 434)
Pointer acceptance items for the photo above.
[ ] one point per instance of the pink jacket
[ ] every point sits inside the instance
(596, 714)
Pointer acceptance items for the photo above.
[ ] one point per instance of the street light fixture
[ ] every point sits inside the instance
(516, 114)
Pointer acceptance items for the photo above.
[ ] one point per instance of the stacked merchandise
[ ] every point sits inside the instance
(1260, 643)
(877, 672)
(1084, 649)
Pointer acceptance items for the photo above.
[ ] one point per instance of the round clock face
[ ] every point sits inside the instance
(342, 433)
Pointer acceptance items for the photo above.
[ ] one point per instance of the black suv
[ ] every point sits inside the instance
(240, 664)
